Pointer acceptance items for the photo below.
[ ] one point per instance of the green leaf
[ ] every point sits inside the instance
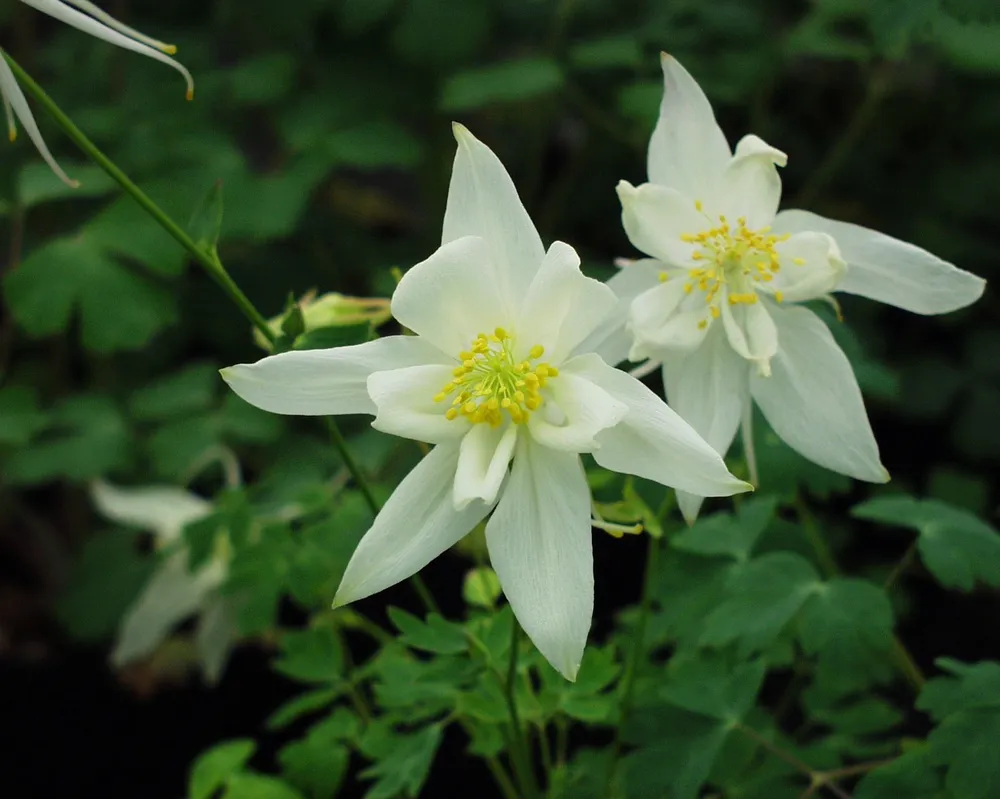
(36, 183)
(520, 79)
(322, 338)
(313, 655)
(764, 596)
(20, 416)
(481, 587)
(606, 53)
(912, 775)
(374, 145)
(257, 786)
(78, 273)
(688, 589)
(957, 547)
(726, 533)
(977, 686)
(87, 437)
(303, 705)
(317, 764)
(213, 768)
(206, 221)
(435, 635)
(192, 389)
(405, 768)
(711, 686)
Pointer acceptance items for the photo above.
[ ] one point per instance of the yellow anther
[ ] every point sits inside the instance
(536, 352)
(702, 324)
(440, 397)
(501, 334)
(451, 414)
(779, 296)
(553, 372)
(798, 261)
(698, 205)
(663, 277)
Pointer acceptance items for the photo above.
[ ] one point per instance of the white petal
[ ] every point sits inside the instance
(612, 340)
(417, 524)
(751, 331)
(688, 150)
(165, 510)
(812, 399)
(539, 540)
(652, 441)
(655, 218)
(889, 270)
(751, 186)
(322, 382)
(576, 409)
(811, 267)
(216, 635)
(82, 22)
(453, 296)
(482, 201)
(405, 406)
(483, 457)
(659, 325)
(562, 306)
(171, 595)
(14, 101)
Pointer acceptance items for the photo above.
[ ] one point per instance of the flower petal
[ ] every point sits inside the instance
(216, 635)
(654, 442)
(812, 399)
(658, 325)
(811, 267)
(655, 218)
(576, 409)
(562, 305)
(482, 201)
(751, 186)
(321, 382)
(15, 103)
(539, 540)
(889, 270)
(417, 524)
(87, 24)
(405, 406)
(453, 296)
(751, 331)
(171, 595)
(688, 150)
(164, 510)
(483, 457)
(611, 340)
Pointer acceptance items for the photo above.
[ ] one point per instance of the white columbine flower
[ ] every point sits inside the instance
(88, 18)
(173, 593)
(494, 375)
(718, 302)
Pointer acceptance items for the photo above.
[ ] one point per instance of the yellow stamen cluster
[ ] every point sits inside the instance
(490, 381)
(736, 257)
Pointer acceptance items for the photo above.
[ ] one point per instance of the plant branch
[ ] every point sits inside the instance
(817, 779)
(519, 755)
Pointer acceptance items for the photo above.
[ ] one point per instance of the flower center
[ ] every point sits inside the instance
(490, 381)
(737, 258)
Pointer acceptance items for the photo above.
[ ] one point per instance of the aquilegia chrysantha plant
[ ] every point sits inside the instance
(88, 18)
(718, 304)
(494, 375)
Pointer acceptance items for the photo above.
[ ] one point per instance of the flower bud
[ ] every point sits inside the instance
(331, 310)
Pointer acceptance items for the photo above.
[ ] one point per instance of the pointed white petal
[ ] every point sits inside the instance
(652, 441)
(655, 218)
(453, 296)
(417, 524)
(483, 457)
(164, 510)
(216, 635)
(611, 339)
(539, 540)
(811, 266)
(15, 102)
(662, 324)
(812, 399)
(562, 306)
(751, 186)
(482, 201)
(405, 406)
(751, 331)
(170, 596)
(322, 382)
(889, 270)
(80, 21)
(688, 150)
(102, 16)
(576, 409)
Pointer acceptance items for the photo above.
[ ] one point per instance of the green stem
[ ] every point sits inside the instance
(503, 781)
(519, 754)
(638, 636)
(206, 258)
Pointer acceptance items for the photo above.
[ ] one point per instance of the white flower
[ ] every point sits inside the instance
(493, 375)
(88, 18)
(173, 593)
(717, 303)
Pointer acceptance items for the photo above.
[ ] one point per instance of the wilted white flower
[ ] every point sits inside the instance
(718, 302)
(495, 374)
(174, 593)
(88, 18)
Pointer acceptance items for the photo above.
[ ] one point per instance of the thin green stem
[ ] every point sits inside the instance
(208, 259)
(907, 665)
(632, 668)
(519, 754)
(500, 775)
(817, 779)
